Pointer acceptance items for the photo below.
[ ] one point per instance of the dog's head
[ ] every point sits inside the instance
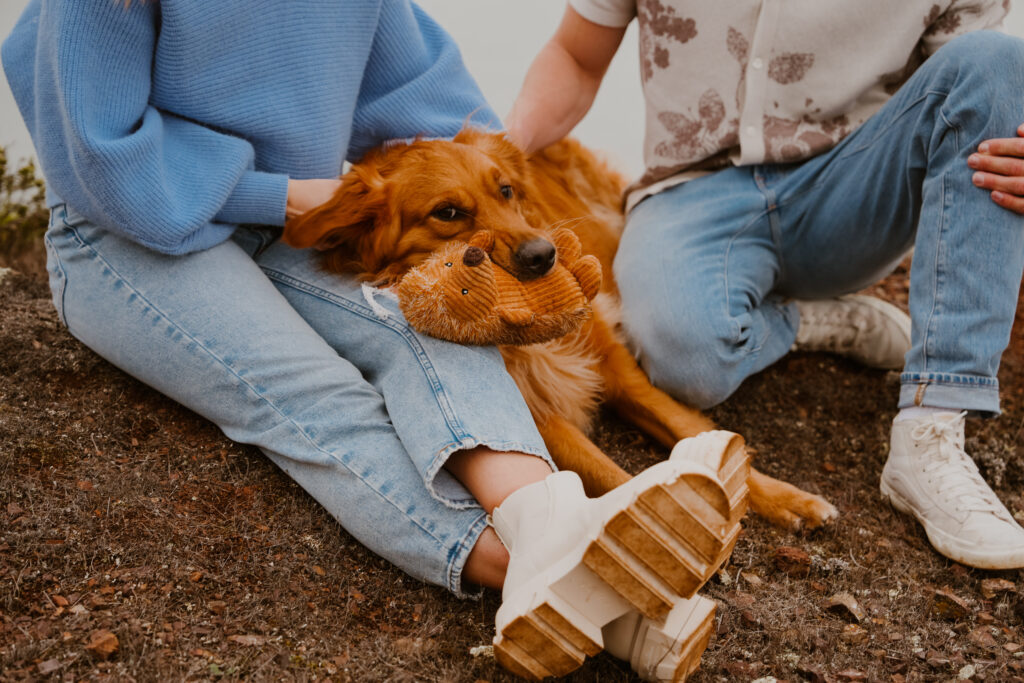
(405, 201)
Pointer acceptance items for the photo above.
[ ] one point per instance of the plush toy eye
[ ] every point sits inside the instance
(445, 213)
(506, 191)
(448, 264)
(465, 292)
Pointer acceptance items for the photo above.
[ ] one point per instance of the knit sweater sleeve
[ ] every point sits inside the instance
(166, 182)
(415, 83)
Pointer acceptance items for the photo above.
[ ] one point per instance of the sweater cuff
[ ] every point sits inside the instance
(257, 198)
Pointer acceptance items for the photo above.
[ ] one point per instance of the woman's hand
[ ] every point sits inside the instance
(304, 195)
(999, 166)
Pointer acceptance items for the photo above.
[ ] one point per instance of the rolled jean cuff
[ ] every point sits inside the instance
(459, 556)
(446, 489)
(978, 395)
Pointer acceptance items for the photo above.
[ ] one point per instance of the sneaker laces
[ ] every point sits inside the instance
(835, 328)
(955, 473)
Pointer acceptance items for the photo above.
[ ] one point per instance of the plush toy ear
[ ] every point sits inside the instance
(483, 239)
(352, 212)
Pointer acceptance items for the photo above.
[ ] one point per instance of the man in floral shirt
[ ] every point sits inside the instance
(794, 152)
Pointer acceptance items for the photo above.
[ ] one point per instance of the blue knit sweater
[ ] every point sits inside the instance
(172, 121)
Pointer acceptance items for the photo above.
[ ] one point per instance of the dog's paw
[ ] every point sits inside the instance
(813, 511)
(787, 506)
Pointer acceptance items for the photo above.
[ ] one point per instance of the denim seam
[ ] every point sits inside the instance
(728, 315)
(226, 365)
(911, 105)
(440, 395)
(940, 265)
(59, 265)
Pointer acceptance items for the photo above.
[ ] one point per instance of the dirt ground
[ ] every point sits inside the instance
(137, 543)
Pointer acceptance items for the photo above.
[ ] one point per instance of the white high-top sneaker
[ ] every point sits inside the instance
(866, 329)
(929, 475)
(577, 564)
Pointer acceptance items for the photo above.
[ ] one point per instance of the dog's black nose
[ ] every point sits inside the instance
(535, 258)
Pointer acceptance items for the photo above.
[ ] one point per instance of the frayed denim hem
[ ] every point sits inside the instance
(460, 555)
(445, 491)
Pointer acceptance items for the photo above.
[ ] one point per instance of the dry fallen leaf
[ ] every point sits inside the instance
(992, 587)
(854, 634)
(792, 562)
(102, 643)
(248, 639)
(946, 605)
(982, 636)
(49, 666)
(846, 606)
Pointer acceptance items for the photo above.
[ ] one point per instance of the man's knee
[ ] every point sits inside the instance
(997, 57)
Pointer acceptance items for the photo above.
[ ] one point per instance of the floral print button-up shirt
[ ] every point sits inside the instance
(746, 82)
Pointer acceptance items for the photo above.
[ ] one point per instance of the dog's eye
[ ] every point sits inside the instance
(506, 191)
(445, 213)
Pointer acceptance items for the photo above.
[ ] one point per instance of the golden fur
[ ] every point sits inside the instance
(404, 201)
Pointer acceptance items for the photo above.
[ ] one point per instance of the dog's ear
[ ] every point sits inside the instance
(354, 210)
(497, 145)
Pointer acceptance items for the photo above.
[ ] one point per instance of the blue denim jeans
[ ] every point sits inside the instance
(707, 269)
(340, 393)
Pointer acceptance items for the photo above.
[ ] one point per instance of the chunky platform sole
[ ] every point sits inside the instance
(675, 528)
(674, 648)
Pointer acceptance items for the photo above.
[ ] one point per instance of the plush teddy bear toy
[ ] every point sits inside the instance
(461, 295)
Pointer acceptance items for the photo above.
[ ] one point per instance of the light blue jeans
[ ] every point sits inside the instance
(342, 395)
(707, 269)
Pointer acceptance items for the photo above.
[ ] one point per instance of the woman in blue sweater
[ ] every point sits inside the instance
(176, 138)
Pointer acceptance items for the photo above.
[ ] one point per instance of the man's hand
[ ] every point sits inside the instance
(999, 166)
(304, 195)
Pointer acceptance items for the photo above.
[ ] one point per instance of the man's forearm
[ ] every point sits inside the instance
(562, 82)
(556, 94)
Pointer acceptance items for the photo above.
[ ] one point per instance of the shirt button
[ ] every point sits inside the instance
(751, 131)
(757, 63)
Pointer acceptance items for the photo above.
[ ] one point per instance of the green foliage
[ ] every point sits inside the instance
(23, 214)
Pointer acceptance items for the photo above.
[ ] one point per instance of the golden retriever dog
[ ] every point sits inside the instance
(404, 201)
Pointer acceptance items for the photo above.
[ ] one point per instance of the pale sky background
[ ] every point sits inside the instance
(498, 39)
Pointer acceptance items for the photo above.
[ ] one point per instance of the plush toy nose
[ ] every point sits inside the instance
(535, 258)
(474, 256)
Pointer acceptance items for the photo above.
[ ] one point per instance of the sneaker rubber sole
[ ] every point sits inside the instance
(677, 524)
(949, 545)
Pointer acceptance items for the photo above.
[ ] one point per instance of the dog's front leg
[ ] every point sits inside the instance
(631, 393)
(572, 450)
